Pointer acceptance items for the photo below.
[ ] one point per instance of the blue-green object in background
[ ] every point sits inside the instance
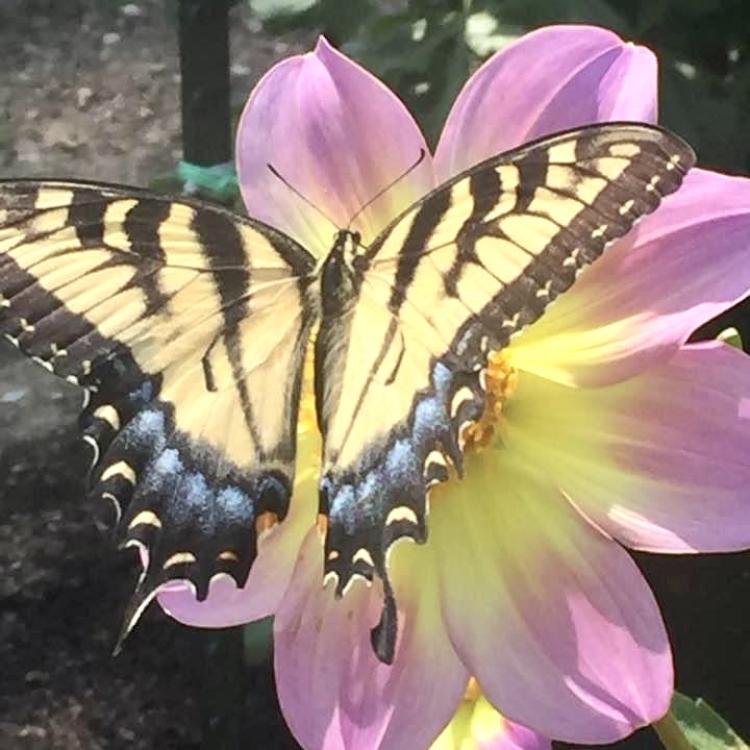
(218, 182)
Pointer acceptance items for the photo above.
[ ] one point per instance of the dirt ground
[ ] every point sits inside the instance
(89, 89)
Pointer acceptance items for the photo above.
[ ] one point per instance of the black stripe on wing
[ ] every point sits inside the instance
(485, 188)
(425, 223)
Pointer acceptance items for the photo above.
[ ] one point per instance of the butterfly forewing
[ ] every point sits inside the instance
(446, 284)
(187, 327)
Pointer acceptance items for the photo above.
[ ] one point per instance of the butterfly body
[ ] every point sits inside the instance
(188, 327)
(340, 274)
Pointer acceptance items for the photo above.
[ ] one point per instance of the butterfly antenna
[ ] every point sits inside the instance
(275, 172)
(382, 191)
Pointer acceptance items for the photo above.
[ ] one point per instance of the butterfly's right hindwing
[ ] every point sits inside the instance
(187, 327)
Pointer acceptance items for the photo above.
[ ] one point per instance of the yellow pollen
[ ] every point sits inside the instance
(501, 384)
(473, 691)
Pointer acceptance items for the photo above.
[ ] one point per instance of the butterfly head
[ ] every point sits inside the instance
(342, 271)
(347, 242)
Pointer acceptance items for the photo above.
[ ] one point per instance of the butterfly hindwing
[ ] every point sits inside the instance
(445, 285)
(187, 327)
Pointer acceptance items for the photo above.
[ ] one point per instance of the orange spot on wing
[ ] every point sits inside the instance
(265, 522)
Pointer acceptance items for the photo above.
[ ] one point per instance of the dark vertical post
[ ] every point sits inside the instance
(204, 61)
(223, 690)
(206, 137)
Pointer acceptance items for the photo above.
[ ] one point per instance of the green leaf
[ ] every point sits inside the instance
(732, 337)
(258, 640)
(703, 727)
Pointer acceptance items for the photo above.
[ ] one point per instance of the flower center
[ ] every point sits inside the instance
(501, 383)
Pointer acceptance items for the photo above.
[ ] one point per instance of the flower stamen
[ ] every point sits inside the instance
(501, 381)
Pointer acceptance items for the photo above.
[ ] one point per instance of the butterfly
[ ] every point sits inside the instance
(187, 326)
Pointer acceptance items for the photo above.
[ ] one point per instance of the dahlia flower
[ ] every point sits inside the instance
(614, 431)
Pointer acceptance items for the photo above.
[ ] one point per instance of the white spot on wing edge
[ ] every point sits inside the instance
(108, 414)
(460, 397)
(121, 468)
(179, 558)
(147, 517)
(363, 555)
(94, 447)
(116, 504)
(626, 207)
(43, 363)
(401, 513)
(332, 575)
(435, 457)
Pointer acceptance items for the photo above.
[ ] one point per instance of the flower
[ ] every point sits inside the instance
(478, 726)
(614, 430)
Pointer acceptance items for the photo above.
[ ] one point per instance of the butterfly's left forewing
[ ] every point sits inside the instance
(443, 287)
(187, 326)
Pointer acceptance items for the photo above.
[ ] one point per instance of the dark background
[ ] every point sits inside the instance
(92, 89)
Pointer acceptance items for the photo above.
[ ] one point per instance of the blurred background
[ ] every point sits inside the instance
(96, 89)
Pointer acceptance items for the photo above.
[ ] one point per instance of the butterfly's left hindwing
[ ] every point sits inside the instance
(449, 282)
(187, 327)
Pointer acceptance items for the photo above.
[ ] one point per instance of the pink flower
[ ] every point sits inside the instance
(615, 430)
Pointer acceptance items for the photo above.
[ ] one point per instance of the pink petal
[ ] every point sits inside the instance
(552, 617)
(552, 79)
(662, 461)
(334, 692)
(635, 306)
(338, 136)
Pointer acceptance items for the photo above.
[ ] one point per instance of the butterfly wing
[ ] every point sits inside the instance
(445, 285)
(186, 325)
